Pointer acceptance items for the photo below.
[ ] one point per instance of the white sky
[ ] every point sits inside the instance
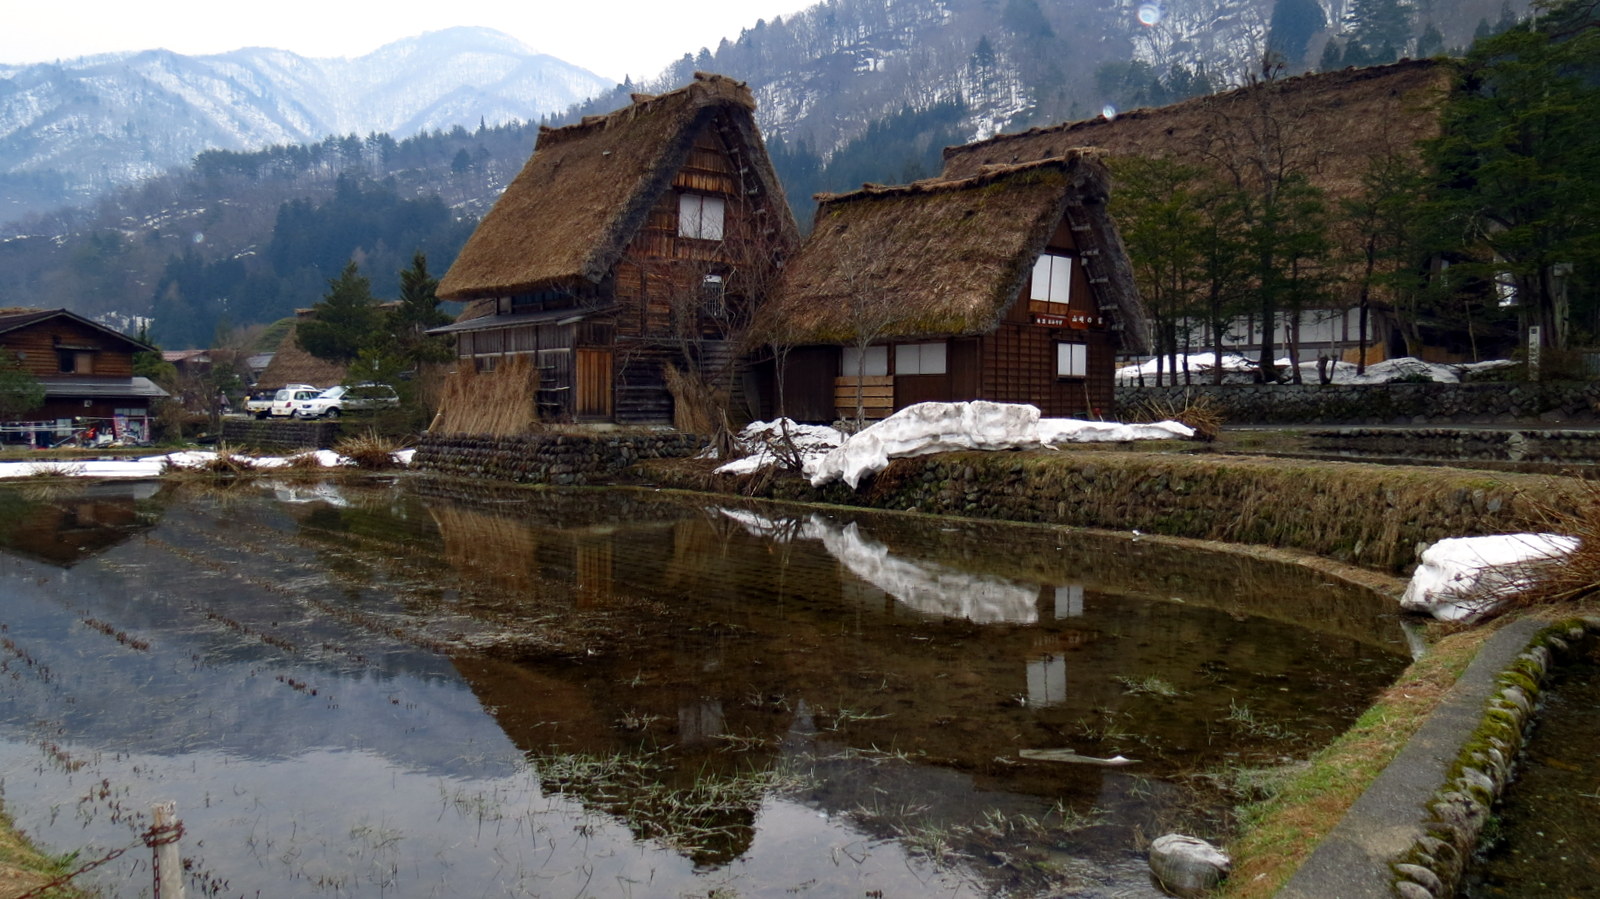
(609, 37)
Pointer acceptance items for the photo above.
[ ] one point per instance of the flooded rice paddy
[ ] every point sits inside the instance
(371, 691)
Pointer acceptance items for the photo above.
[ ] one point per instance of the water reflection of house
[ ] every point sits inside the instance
(78, 523)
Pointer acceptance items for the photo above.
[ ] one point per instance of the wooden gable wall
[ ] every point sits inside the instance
(39, 346)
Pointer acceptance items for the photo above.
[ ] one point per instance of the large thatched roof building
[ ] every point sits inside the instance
(1010, 285)
(1329, 127)
(615, 224)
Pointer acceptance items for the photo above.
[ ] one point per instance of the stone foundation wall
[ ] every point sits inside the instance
(1374, 516)
(279, 435)
(1388, 404)
(548, 458)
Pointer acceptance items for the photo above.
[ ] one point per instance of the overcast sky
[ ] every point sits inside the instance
(612, 38)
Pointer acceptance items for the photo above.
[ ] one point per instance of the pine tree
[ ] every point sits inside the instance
(1294, 23)
(1518, 168)
(1381, 28)
(344, 322)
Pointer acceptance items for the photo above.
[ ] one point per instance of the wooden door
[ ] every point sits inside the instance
(594, 384)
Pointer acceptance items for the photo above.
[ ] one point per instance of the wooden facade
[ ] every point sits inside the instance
(1011, 286)
(670, 269)
(86, 370)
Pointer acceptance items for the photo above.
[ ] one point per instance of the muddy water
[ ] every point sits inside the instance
(1545, 837)
(371, 692)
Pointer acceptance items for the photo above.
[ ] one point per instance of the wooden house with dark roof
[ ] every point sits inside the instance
(1009, 285)
(628, 243)
(86, 370)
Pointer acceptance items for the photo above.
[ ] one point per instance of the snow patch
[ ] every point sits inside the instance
(1463, 577)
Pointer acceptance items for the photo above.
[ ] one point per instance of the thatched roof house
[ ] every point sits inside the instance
(611, 221)
(1329, 127)
(291, 364)
(959, 263)
(1334, 122)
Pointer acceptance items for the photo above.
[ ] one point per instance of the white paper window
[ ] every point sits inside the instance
(876, 358)
(919, 359)
(1052, 278)
(1072, 360)
(700, 216)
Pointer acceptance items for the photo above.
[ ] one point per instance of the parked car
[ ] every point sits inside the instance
(336, 401)
(259, 402)
(288, 399)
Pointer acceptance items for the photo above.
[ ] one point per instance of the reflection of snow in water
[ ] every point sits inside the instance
(927, 587)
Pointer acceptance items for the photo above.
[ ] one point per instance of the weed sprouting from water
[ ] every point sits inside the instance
(1148, 686)
(1241, 719)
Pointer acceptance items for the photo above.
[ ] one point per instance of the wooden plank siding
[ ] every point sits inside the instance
(39, 349)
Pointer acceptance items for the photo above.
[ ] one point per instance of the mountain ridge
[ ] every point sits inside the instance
(68, 130)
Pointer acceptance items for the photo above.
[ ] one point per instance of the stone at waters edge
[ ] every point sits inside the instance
(1187, 866)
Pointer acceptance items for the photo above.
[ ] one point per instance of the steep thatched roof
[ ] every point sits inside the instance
(291, 364)
(1333, 124)
(942, 258)
(586, 191)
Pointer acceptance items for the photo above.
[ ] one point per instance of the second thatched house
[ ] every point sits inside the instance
(1009, 285)
(632, 247)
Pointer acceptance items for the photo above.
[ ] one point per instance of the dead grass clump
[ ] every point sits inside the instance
(1201, 412)
(498, 403)
(370, 451)
(226, 462)
(1576, 577)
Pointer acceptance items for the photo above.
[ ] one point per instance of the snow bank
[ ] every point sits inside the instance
(979, 425)
(1462, 577)
(153, 466)
(759, 437)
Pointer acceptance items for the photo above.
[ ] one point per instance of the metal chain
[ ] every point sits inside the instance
(155, 836)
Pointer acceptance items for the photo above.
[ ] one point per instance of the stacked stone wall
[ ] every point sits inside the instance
(279, 435)
(548, 458)
(1572, 402)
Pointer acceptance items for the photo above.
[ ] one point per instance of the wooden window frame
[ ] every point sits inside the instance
(1072, 361)
(693, 220)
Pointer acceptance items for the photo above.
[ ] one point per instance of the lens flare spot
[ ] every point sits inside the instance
(1150, 14)
(1109, 111)
(198, 237)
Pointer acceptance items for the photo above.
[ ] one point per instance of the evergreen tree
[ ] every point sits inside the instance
(1517, 163)
(344, 322)
(1431, 43)
(20, 392)
(1381, 28)
(1332, 57)
(1294, 24)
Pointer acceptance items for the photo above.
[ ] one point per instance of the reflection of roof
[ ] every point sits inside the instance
(100, 387)
(66, 530)
(184, 355)
(492, 322)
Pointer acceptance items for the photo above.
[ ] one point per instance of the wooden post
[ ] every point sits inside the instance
(168, 861)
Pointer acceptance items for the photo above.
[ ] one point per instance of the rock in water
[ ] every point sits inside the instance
(1187, 866)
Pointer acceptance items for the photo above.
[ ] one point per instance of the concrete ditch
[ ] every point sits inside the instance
(1412, 832)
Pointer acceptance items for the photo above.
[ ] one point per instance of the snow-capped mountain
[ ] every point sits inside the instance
(70, 129)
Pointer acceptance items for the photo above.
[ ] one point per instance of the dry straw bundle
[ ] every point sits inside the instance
(499, 403)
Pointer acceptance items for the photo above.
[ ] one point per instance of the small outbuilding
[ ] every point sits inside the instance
(1009, 285)
(632, 245)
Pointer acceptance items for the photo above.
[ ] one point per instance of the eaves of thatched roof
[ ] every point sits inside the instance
(587, 189)
(947, 257)
(291, 364)
(1333, 124)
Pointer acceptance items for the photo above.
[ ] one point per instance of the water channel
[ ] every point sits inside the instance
(368, 690)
